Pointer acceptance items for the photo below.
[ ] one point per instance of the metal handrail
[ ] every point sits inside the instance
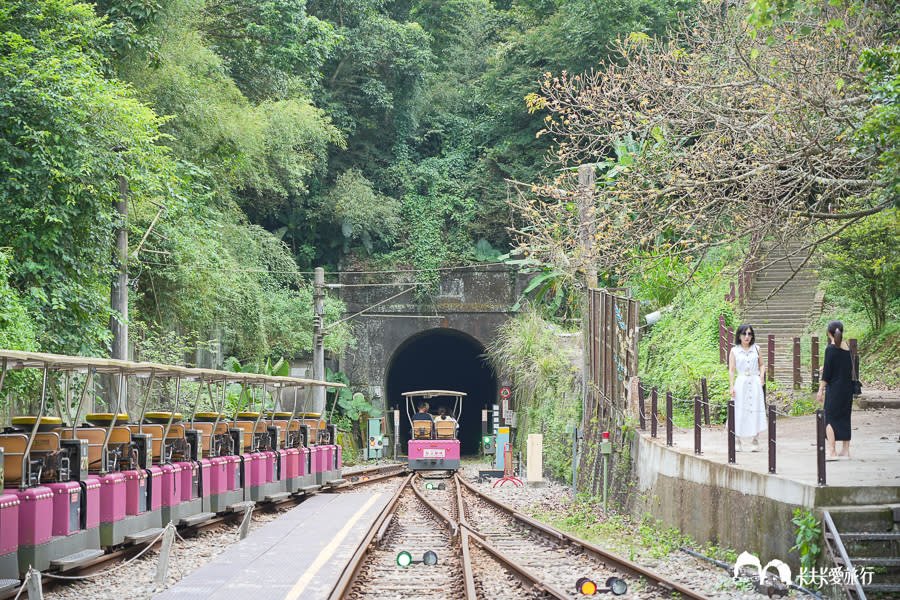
(87, 384)
(37, 423)
(163, 458)
(120, 392)
(831, 530)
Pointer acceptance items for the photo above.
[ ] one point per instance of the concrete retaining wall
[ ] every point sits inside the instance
(726, 505)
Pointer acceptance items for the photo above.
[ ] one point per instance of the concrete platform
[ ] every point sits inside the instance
(874, 454)
(299, 555)
(745, 507)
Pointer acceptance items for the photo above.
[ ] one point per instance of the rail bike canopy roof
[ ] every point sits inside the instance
(433, 393)
(14, 360)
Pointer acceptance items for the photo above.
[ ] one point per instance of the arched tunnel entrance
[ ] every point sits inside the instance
(443, 359)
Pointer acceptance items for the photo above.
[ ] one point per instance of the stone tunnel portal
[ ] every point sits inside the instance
(444, 359)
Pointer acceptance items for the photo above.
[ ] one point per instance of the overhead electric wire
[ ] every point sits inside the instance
(306, 273)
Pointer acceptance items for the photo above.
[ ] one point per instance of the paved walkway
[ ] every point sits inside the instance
(874, 449)
(301, 554)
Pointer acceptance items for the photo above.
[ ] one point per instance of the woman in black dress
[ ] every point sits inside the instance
(837, 384)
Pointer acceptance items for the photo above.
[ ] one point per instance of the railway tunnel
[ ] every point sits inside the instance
(445, 359)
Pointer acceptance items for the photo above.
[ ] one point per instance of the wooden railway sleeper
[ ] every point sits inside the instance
(447, 520)
(524, 574)
(602, 555)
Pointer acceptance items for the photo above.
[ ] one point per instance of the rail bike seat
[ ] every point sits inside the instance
(44, 445)
(95, 436)
(445, 430)
(156, 433)
(209, 440)
(423, 430)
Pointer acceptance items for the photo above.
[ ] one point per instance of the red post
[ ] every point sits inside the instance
(797, 363)
(654, 412)
(770, 359)
(730, 338)
(731, 292)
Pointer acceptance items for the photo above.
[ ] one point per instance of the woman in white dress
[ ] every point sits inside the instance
(745, 381)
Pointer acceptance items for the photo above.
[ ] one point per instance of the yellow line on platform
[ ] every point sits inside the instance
(328, 551)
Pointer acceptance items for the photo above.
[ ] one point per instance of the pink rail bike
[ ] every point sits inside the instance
(433, 443)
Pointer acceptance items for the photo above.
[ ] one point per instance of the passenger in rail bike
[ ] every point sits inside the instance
(745, 381)
(422, 414)
(443, 416)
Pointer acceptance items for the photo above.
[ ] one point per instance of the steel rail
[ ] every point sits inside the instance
(355, 563)
(469, 533)
(448, 521)
(367, 475)
(468, 574)
(524, 574)
(599, 553)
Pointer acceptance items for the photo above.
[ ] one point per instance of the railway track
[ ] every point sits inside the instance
(485, 551)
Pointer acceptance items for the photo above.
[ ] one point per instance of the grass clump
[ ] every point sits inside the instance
(542, 361)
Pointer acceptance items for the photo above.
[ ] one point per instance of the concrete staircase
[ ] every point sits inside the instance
(870, 537)
(787, 313)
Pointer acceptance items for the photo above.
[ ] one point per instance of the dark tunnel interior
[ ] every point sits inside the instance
(443, 359)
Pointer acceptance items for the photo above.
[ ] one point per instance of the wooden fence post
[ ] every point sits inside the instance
(796, 363)
(697, 424)
(770, 359)
(730, 426)
(723, 357)
(641, 406)
(814, 362)
(668, 418)
(705, 396)
(772, 438)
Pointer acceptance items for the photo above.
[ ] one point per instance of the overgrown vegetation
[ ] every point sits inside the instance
(542, 361)
(683, 346)
(636, 538)
(862, 267)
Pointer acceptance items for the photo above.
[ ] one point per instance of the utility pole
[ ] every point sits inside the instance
(584, 203)
(118, 324)
(318, 339)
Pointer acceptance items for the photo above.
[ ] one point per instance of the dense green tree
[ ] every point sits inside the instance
(69, 134)
(17, 330)
(862, 265)
(372, 84)
(267, 44)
